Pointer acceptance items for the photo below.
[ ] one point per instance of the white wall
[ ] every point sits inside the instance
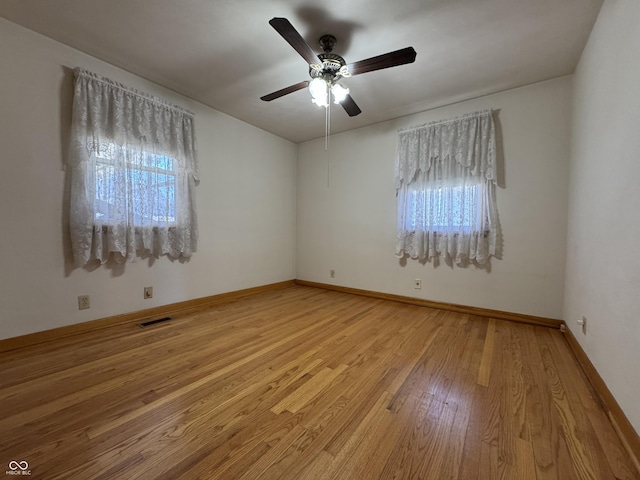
(348, 223)
(603, 263)
(246, 200)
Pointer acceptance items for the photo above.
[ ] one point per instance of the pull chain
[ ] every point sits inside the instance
(327, 126)
(327, 133)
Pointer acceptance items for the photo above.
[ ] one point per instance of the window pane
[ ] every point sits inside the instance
(444, 208)
(130, 184)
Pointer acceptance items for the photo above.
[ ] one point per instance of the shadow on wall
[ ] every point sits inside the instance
(66, 106)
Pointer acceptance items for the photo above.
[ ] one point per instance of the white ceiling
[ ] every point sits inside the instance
(225, 54)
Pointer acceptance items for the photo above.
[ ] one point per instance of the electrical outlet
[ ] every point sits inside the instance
(83, 302)
(332, 273)
(417, 284)
(148, 292)
(583, 324)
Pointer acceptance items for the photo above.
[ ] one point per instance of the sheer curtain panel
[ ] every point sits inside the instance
(445, 188)
(133, 174)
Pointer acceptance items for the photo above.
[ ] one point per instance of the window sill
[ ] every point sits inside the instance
(106, 228)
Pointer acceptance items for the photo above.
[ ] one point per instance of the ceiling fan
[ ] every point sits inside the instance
(326, 69)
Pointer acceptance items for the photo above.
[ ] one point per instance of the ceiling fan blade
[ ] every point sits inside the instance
(291, 35)
(285, 91)
(386, 60)
(350, 106)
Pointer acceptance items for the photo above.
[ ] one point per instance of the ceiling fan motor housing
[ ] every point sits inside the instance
(332, 64)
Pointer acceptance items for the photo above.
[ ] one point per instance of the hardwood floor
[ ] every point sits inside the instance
(304, 383)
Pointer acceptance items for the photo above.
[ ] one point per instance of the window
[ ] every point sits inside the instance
(133, 171)
(147, 180)
(445, 189)
(440, 209)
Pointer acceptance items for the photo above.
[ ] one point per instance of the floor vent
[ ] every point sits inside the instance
(153, 322)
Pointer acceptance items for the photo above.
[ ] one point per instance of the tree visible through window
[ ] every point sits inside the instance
(145, 180)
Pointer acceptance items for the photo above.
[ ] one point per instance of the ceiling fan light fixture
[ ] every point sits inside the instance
(319, 92)
(344, 71)
(339, 93)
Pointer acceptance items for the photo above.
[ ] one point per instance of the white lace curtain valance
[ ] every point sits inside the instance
(448, 149)
(133, 169)
(445, 176)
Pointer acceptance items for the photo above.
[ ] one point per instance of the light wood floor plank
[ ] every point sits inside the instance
(487, 354)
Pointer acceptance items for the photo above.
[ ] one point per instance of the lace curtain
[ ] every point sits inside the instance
(133, 174)
(445, 187)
